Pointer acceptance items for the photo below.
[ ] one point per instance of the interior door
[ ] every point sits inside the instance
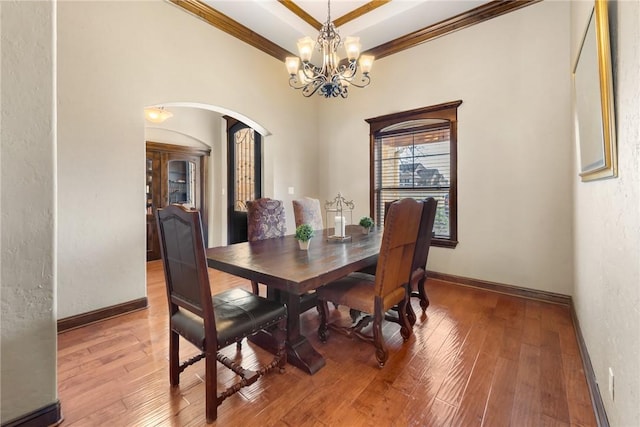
(174, 174)
(244, 168)
(152, 168)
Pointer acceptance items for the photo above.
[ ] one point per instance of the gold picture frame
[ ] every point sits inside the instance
(593, 97)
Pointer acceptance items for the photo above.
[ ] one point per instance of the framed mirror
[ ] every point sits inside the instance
(594, 103)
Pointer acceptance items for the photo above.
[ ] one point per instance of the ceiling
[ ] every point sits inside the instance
(384, 26)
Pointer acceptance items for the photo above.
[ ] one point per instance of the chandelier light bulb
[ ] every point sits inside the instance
(293, 63)
(366, 62)
(352, 46)
(305, 48)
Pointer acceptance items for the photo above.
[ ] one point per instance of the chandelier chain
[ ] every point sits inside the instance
(328, 11)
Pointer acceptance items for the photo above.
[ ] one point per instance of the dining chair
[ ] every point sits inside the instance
(210, 322)
(265, 220)
(308, 211)
(420, 256)
(419, 266)
(375, 295)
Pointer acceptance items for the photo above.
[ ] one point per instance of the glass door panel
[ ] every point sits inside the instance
(244, 151)
(149, 185)
(182, 182)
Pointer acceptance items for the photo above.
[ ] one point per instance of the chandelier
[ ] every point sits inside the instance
(334, 77)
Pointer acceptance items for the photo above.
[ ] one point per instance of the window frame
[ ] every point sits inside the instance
(447, 111)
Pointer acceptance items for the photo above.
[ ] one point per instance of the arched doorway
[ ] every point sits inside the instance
(205, 126)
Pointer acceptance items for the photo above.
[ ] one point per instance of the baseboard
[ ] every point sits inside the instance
(502, 288)
(84, 319)
(50, 415)
(589, 373)
(594, 390)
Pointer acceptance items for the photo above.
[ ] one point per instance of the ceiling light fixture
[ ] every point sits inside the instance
(157, 114)
(333, 78)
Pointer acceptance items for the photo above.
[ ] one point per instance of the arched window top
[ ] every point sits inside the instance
(411, 125)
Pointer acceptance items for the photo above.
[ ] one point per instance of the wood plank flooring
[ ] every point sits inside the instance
(477, 358)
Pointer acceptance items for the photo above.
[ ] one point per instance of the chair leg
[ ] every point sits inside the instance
(174, 358)
(211, 387)
(323, 309)
(422, 294)
(254, 287)
(378, 339)
(411, 315)
(406, 328)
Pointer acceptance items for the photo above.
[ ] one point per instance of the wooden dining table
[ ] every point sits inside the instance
(283, 267)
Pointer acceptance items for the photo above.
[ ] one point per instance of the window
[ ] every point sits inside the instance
(414, 155)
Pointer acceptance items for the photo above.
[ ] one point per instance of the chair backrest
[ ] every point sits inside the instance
(185, 262)
(265, 219)
(423, 243)
(308, 211)
(398, 245)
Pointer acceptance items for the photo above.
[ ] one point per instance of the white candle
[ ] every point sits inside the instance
(340, 226)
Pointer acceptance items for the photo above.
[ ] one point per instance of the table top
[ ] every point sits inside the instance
(280, 263)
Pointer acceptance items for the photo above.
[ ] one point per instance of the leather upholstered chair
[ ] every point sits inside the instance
(210, 322)
(265, 220)
(389, 287)
(419, 266)
(308, 211)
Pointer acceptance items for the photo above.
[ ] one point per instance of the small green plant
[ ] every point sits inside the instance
(304, 232)
(366, 222)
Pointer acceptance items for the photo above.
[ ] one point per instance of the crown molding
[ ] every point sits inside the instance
(362, 10)
(474, 16)
(356, 13)
(300, 13)
(233, 28)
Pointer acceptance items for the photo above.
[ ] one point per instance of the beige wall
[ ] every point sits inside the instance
(109, 69)
(607, 226)
(514, 142)
(28, 289)
(514, 147)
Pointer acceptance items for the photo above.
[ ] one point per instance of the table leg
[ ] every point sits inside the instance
(300, 352)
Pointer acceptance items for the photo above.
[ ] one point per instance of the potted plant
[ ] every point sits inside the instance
(366, 223)
(304, 233)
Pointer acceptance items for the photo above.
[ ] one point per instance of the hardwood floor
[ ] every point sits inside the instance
(476, 358)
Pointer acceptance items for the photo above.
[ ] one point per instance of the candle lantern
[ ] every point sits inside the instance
(339, 214)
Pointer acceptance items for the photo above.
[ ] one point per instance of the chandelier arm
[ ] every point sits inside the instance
(351, 68)
(365, 80)
(311, 88)
(294, 83)
(310, 71)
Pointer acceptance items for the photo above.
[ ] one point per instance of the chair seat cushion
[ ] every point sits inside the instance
(357, 291)
(238, 314)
